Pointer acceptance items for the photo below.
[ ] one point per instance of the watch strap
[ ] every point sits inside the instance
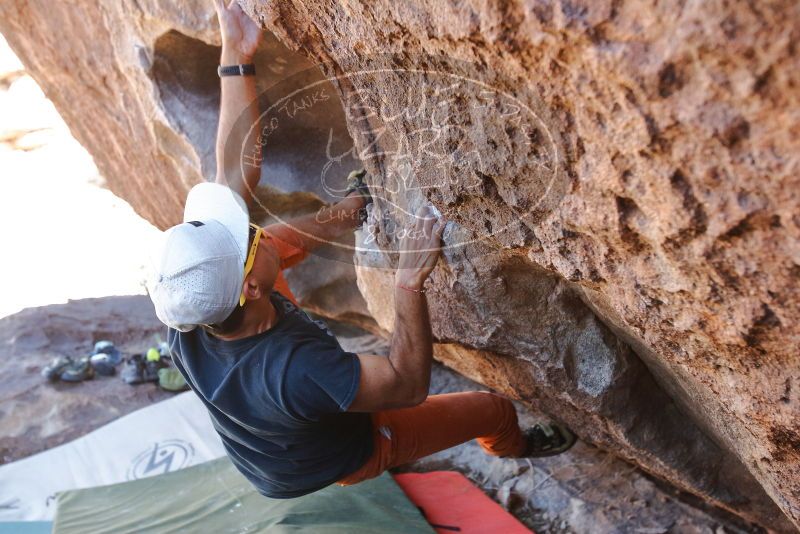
(246, 69)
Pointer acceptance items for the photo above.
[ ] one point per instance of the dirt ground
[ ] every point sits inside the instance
(36, 415)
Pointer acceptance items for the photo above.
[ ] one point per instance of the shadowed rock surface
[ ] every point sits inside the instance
(625, 176)
(549, 350)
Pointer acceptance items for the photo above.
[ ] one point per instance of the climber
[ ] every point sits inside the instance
(294, 410)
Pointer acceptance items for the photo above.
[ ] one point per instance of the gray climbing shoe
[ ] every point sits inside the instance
(53, 371)
(78, 371)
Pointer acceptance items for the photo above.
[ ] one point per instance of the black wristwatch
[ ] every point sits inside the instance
(247, 69)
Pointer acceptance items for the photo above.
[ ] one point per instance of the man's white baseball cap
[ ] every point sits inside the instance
(197, 268)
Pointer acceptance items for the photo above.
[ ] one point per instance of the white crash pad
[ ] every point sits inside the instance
(161, 438)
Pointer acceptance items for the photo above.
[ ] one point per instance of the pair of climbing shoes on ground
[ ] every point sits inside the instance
(153, 366)
(140, 368)
(67, 369)
(103, 359)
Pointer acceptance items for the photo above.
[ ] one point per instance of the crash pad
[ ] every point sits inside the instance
(160, 438)
(26, 527)
(451, 503)
(215, 497)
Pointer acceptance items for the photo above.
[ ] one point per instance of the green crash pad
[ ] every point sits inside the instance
(214, 497)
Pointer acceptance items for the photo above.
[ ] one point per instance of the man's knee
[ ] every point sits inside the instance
(503, 405)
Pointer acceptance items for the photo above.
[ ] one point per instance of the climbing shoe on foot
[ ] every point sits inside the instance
(356, 181)
(548, 439)
(53, 371)
(77, 371)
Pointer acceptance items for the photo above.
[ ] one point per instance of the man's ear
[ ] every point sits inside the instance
(252, 290)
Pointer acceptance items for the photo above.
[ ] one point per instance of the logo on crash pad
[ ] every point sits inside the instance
(161, 457)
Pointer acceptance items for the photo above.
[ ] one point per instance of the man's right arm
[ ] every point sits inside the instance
(403, 379)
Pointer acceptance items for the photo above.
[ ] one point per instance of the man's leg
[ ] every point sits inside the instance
(442, 421)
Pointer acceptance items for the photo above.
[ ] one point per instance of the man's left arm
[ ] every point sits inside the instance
(325, 225)
(238, 109)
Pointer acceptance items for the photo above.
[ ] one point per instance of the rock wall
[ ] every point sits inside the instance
(505, 322)
(657, 177)
(621, 181)
(136, 83)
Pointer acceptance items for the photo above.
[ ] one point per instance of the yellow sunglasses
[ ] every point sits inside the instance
(251, 256)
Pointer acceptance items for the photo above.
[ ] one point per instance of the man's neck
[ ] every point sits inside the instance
(259, 316)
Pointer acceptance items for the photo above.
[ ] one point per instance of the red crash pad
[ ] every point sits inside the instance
(450, 503)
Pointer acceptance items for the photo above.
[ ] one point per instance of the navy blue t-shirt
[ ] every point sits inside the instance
(279, 399)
